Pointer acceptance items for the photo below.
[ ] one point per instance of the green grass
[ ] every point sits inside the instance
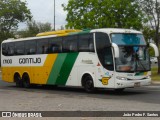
(155, 76)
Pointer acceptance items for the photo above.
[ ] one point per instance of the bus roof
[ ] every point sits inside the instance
(116, 30)
(72, 32)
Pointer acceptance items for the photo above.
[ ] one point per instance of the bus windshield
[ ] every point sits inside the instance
(128, 39)
(133, 58)
(134, 54)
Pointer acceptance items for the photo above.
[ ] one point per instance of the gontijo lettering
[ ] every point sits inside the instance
(29, 60)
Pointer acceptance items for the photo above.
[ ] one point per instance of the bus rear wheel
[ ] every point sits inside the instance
(26, 81)
(18, 80)
(88, 84)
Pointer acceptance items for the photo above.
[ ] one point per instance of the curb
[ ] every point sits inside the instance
(155, 82)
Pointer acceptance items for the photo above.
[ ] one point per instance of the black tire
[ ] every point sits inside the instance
(88, 84)
(26, 81)
(18, 80)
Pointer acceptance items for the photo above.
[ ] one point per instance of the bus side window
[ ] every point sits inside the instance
(30, 47)
(10, 49)
(91, 46)
(54, 48)
(104, 50)
(42, 46)
(73, 47)
(19, 48)
(55, 45)
(70, 43)
(86, 43)
(4, 49)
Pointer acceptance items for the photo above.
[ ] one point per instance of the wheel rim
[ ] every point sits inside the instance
(89, 85)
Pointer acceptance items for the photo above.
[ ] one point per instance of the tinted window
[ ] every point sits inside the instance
(10, 49)
(42, 46)
(30, 47)
(104, 50)
(128, 39)
(19, 48)
(70, 44)
(4, 49)
(55, 45)
(86, 43)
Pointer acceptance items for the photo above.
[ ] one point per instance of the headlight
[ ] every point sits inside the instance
(121, 78)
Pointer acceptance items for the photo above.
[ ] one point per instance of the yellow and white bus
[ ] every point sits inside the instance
(99, 58)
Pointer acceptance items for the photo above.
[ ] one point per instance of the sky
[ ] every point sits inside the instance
(43, 11)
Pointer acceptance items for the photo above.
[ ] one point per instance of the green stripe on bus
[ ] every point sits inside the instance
(66, 68)
(62, 68)
(56, 68)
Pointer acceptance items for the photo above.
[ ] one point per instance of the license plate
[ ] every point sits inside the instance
(137, 84)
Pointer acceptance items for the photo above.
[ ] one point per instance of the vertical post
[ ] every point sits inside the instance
(54, 16)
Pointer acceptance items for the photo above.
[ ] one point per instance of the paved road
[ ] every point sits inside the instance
(76, 99)
(148, 94)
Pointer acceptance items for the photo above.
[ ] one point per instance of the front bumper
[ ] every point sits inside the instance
(132, 83)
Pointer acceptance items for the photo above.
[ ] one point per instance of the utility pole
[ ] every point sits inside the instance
(54, 16)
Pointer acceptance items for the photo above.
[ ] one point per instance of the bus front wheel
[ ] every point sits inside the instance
(88, 84)
(26, 81)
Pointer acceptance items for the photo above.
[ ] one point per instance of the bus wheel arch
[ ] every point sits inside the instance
(18, 80)
(87, 82)
(26, 80)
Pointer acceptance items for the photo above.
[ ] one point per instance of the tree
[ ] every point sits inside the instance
(34, 28)
(103, 13)
(12, 12)
(148, 33)
(152, 10)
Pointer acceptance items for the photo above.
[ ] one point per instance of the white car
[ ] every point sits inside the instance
(153, 60)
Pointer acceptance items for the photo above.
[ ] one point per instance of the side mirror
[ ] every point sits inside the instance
(116, 50)
(155, 49)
